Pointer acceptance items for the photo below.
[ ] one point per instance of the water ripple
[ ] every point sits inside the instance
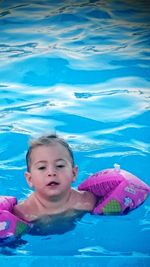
(39, 103)
(61, 29)
(101, 251)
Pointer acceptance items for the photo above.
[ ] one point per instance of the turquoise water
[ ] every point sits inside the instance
(80, 68)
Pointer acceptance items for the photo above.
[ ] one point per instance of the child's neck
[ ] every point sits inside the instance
(53, 204)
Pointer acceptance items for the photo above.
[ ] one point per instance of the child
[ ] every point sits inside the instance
(50, 172)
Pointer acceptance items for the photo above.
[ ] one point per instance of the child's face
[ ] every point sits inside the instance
(51, 171)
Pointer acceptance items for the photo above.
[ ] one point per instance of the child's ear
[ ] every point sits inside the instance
(28, 178)
(74, 171)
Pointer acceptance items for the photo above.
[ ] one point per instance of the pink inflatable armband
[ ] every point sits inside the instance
(11, 227)
(117, 191)
(7, 203)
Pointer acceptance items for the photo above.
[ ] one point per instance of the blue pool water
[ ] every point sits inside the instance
(80, 68)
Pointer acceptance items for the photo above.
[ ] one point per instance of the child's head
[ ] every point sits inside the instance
(47, 140)
(50, 166)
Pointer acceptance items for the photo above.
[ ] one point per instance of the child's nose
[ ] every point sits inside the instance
(51, 171)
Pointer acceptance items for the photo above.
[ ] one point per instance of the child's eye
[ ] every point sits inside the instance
(42, 168)
(60, 166)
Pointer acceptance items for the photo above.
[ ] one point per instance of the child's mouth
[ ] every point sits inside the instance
(53, 183)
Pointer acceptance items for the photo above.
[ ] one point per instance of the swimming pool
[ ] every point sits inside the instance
(80, 68)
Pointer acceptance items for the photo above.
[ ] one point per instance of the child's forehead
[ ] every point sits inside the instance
(53, 149)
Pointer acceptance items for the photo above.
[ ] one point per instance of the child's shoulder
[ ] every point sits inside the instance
(84, 200)
(20, 209)
(23, 210)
